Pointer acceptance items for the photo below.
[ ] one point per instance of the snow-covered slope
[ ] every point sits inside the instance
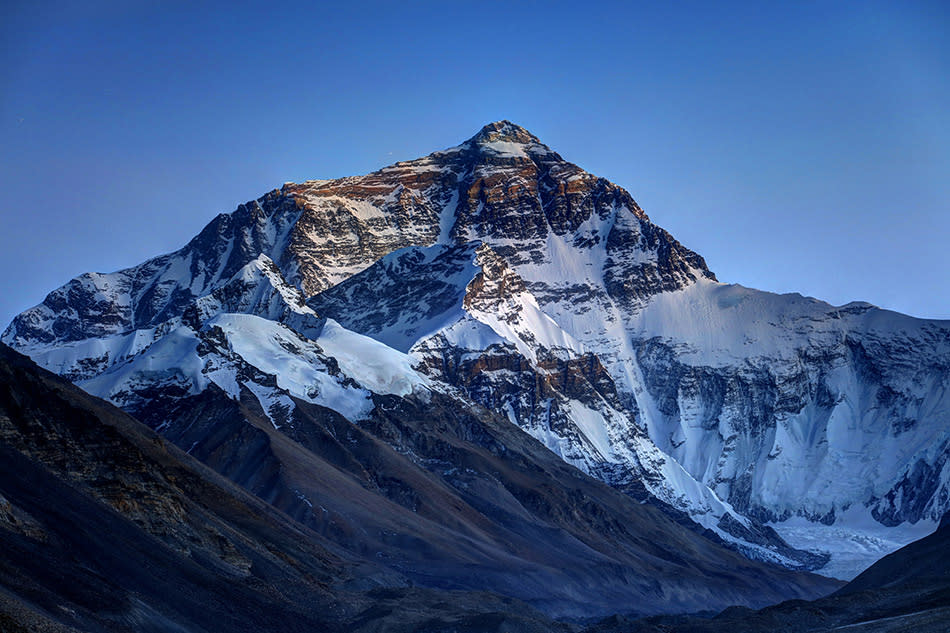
(253, 332)
(498, 272)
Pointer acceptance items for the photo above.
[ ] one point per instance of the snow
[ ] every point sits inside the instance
(377, 367)
(469, 334)
(67, 358)
(172, 356)
(722, 324)
(529, 329)
(505, 149)
(276, 404)
(435, 277)
(276, 350)
(360, 209)
(592, 425)
(855, 541)
(818, 459)
(517, 318)
(447, 219)
(297, 364)
(178, 269)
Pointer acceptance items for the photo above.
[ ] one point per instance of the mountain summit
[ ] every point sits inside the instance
(504, 139)
(505, 131)
(498, 274)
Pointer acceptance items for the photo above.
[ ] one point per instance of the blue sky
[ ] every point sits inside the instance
(799, 148)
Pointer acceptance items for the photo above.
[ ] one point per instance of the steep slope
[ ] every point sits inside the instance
(514, 278)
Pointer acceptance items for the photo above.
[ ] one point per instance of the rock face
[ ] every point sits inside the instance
(497, 273)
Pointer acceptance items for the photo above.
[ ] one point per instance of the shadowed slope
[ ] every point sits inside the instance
(106, 527)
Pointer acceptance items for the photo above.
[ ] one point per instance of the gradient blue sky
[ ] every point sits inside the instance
(799, 148)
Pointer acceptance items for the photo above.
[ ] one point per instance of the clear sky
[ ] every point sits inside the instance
(799, 148)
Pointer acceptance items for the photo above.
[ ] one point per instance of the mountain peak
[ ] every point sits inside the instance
(504, 140)
(504, 131)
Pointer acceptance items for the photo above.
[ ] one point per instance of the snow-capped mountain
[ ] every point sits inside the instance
(499, 273)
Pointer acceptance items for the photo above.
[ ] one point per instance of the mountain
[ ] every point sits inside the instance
(106, 526)
(498, 275)
(907, 591)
